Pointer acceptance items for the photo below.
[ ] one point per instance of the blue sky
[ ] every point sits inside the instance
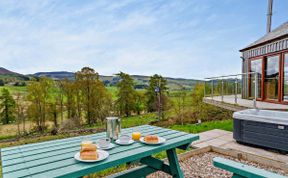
(176, 38)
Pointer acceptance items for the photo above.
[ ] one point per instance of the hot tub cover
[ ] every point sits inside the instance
(267, 116)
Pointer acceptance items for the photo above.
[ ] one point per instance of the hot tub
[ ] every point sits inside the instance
(263, 128)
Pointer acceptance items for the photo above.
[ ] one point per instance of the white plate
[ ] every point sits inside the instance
(101, 156)
(121, 143)
(160, 141)
(111, 145)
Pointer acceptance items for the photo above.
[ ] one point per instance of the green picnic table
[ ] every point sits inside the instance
(56, 158)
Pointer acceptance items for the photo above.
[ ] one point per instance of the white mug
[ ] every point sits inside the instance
(124, 138)
(103, 142)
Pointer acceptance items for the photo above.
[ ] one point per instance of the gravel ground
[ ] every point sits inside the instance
(201, 166)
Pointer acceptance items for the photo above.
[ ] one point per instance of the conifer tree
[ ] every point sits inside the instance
(7, 107)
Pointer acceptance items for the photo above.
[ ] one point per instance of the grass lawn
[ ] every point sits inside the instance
(205, 126)
(138, 120)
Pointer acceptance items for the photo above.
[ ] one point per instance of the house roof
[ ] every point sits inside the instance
(280, 31)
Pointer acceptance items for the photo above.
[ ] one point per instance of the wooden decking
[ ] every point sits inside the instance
(229, 103)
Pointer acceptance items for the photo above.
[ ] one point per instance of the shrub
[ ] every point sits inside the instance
(70, 124)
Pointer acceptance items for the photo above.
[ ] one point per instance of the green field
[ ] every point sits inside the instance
(192, 128)
(23, 90)
(14, 89)
(112, 90)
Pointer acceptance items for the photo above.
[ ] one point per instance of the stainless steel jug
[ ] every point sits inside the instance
(113, 128)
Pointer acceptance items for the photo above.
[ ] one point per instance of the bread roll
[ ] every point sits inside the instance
(151, 139)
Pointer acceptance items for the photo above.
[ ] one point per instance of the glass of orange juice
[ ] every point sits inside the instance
(136, 135)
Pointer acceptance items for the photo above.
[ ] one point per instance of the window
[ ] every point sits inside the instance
(256, 66)
(272, 78)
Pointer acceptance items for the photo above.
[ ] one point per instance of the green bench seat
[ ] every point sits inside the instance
(240, 170)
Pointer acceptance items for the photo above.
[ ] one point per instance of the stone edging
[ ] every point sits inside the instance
(236, 154)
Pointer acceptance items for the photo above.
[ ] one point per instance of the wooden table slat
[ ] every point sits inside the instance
(34, 146)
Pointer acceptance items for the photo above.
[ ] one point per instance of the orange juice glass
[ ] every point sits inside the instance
(136, 135)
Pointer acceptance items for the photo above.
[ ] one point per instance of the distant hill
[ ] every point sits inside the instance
(140, 80)
(59, 75)
(10, 76)
(4, 71)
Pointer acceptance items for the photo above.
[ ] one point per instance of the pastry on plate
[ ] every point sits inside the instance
(88, 147)
(151, 139)
(88, 151)
(89, 155)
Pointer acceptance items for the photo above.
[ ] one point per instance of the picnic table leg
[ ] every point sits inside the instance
(176, 172)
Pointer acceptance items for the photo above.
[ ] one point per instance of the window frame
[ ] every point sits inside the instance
(278, 100)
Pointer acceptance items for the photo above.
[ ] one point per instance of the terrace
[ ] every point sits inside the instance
(237, 92)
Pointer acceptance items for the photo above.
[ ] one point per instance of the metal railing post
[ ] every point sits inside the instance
(236, 90)
(212, 89)
(256, 91)
(204, 88)
(222, 90)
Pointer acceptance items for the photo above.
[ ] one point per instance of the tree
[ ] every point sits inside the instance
(53, 113)
(140, 102)
(179, 104)
(70, 91)
(20, 113)
(95, 99)
(85, 79)
(60, 98)
(1, 83)
(7, 107)
(126, 95)
(102, 101)
(39, 95)
(200, 107)
(157, 94)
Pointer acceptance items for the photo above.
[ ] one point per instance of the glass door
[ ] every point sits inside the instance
(285, 84)
(271, 81)
(255, 66)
